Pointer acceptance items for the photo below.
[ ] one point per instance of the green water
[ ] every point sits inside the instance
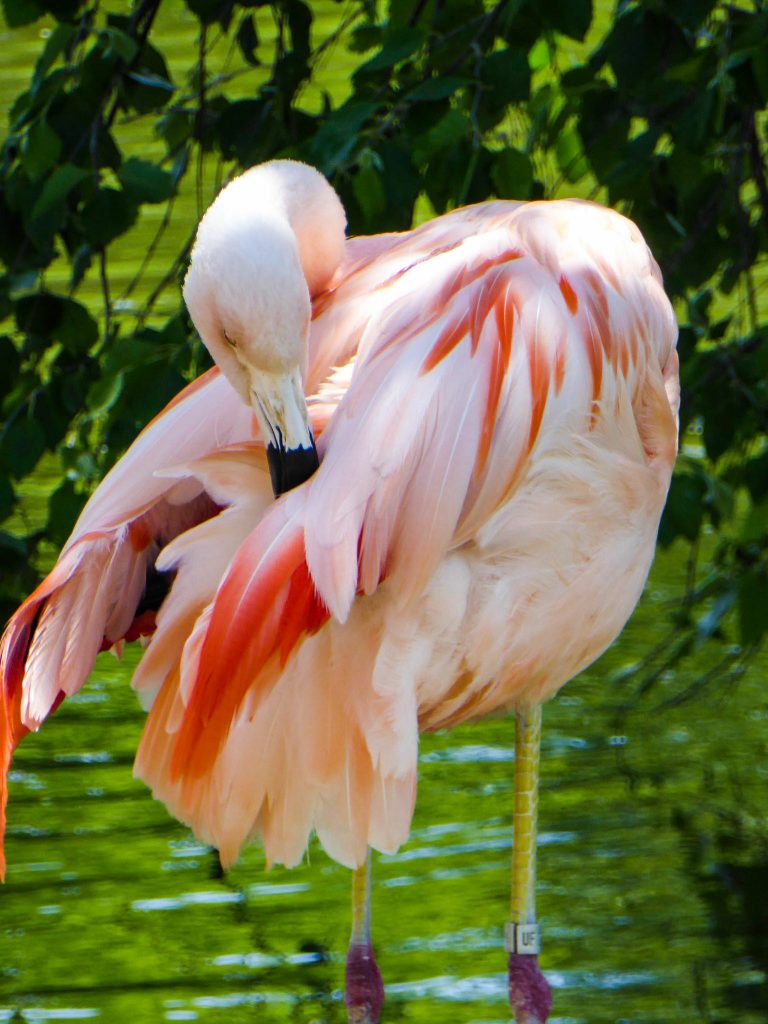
(653, 859)
(652, 872)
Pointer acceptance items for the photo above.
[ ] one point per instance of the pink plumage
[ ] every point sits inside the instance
(494, 398)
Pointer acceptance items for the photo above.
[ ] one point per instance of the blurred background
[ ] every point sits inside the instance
(120, 122)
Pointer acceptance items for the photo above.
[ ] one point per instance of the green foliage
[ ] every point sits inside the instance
(657, 109)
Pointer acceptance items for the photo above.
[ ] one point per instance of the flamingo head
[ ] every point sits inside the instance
(271, 239)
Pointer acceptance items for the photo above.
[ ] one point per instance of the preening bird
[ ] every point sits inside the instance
(457, 519)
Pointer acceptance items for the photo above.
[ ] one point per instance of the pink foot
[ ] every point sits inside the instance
(364, 995)
(529, 994)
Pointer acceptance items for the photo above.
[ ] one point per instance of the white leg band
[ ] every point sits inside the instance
(522, 938)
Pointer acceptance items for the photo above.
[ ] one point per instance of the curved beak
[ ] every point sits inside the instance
(279, 403)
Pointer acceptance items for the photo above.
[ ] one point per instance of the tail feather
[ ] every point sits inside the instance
(252, 624)
(268, 726)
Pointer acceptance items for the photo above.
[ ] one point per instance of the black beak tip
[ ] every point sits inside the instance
(290, 467)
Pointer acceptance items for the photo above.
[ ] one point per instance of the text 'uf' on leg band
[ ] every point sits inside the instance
(522, 938)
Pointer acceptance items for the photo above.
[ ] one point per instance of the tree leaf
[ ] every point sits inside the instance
(570, 155)
(400, 45)
(64, 506)
(23, 444)
(753, 606)
(571, 17)
(49, 211)
(108, 214)
(103, 393)
(40, 150)
(436, 89)
(248, 39)
(10, 362)
(21, 12)
(506, 76)
(337, 137)
(145, 182)
(512, 174)
(56, 43)
(76, 329)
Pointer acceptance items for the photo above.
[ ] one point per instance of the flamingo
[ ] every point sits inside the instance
(458, 518)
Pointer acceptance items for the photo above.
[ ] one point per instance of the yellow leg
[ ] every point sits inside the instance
(527, 743)
(529, 992)
(361, 903)
(364, 988)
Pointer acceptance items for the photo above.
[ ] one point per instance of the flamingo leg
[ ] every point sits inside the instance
(364, 988)
(529, 993)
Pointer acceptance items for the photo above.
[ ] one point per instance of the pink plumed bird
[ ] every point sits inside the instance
(422, 484)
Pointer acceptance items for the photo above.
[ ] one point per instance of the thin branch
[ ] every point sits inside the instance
(104, 278)
(167, 278)
(151, 249)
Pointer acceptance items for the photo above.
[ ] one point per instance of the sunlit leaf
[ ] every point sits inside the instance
(104, 392)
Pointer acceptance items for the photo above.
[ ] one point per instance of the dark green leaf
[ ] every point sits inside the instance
(370, 194)
(454, 125)
(113, 40)
(21, 12)
(104, 392)
(571, 17)
(365, 37)
(248, 39)
(76, 330)
(506, 76)
(436, 89)
(107, 215)
(753, 606)
(512, 174)
(81, 261)
(240, 130)
(337, 138)
(38, 314)
(56, 318)
(146, 182)
(56, 44)
(684, 511)
(40, 150)
(48, 213)
(7, 499)
(23, 444)
(299, 23)
(10, 362)
(148, 85)
(209, 11)
(64, 506)
(399, 46)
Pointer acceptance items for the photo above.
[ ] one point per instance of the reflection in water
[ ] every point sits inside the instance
(653, 867)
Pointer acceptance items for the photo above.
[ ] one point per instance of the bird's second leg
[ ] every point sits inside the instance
(529, 993)
(364, 995)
